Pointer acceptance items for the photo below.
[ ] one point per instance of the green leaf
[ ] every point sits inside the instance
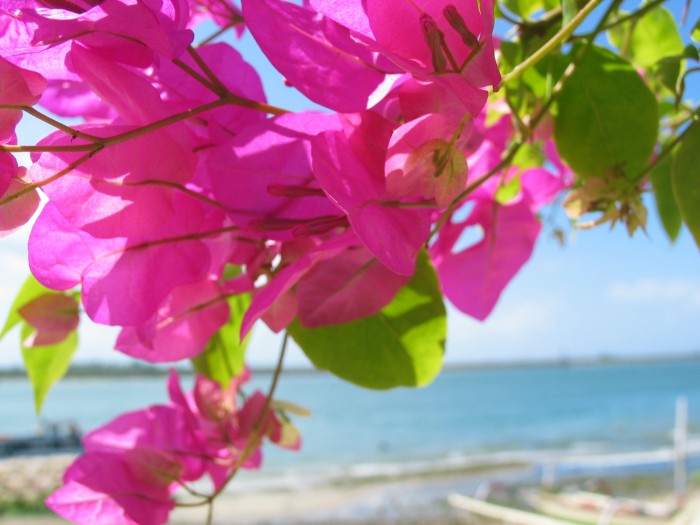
(223, 358)
(46, 364)
(620, 33)
(655, 36)
(523, 8)
(529, 155)
(695, 33)
(508, 191)
(568, 11)
(402, 345)
(666, 71)
(607, 119)
(690, 51)
(685, 175)
(31, 289)
(666, 205)
(511, 56)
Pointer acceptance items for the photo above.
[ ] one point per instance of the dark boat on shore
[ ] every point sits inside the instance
(52, 438)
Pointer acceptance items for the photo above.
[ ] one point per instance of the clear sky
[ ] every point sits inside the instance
(600, 294)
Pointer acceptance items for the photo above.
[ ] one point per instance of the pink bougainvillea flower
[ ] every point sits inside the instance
(104, 489)
(439, 36)
(69, 98)
(18, 87)
(8, 171)
(123, 280)
(126, 90)
(349, 165)
(239, 77)
(123, 30)
(264, 178)
(287, 277)
(161, 428)
(473, 278)
(425, 159)
(225, 428)
(18, 199)
(119, 191)
(181, 327)
(344, 288)
(53, 317)
(318, 56)
(436, 41)
(130, 468)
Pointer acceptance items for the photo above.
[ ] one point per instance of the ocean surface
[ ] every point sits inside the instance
(465, 418)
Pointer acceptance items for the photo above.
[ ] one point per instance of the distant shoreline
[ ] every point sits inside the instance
(97, 370)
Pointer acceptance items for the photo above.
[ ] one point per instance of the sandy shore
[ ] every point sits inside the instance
(30, 477)
(411, 500)
(405, 500)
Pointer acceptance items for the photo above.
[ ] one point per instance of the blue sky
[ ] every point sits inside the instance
(601, 294)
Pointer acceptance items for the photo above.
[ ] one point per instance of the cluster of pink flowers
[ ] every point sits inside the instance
(180, 168)
(178, 171)
(133, 466)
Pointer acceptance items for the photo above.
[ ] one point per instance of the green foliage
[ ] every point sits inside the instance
(402, 345)
(655, 36)
(223, 358)
(666, 206)
(526, 8)
(686, 179)
(30, 290)
(569, 8)
(607, 119)
(508, 191)
(695, 34)
(47, 364)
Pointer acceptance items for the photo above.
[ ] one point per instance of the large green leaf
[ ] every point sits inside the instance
(223, 358)
(655, 36)
(607, 119)
(686, 179)
(30, 290)
(46, 364)
(402, 345)
(666, 205)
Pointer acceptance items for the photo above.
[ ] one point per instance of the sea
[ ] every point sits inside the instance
(549, 415)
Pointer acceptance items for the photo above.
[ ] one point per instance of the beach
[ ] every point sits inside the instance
(407, 499)
(401, 499)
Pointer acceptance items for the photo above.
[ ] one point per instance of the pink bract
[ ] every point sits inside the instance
(350, 167)
(318, 56)
(473, 278)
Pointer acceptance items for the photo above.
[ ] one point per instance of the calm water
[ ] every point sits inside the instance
(462, 415)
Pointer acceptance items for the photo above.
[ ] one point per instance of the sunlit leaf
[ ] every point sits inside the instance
(655, 36)
(223, 358)
(402, 345)
(607, 119)
(30, 290)
(666, 205)
(695, 34)
(686, 179)
(46, 364)
(508, 191)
